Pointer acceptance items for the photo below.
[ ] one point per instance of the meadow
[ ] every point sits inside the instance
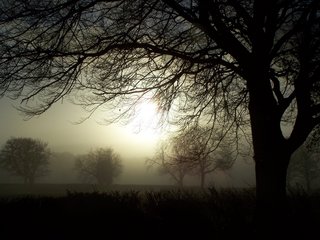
(76, 211)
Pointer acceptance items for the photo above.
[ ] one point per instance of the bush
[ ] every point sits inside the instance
(224, 214)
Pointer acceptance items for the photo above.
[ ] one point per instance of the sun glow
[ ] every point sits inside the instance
(146, 121)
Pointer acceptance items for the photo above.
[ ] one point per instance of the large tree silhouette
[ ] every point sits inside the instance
(209, 58)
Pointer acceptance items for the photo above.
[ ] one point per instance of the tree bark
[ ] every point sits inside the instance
(271, 154)
(180, 181)
(202, 179)
(31, 180)
(271, 211)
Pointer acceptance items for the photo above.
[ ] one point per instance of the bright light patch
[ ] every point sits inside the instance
(146, 120)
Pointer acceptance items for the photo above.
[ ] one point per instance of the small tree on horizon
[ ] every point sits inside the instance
(304, 169)
(102, 165)
(193, 151)
(25, 157)
(206, 151)
(171, 161)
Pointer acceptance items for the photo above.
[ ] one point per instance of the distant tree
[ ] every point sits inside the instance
(102, 165)
(194, 151)
(25, 157)
(171, 160)
(205, 150)
(304, 168)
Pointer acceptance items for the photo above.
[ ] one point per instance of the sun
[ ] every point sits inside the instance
(146, 115)
(146, 119)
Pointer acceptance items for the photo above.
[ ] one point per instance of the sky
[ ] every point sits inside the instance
(59, 128)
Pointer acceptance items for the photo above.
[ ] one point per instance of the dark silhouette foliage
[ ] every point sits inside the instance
(196, 150)
(25, 157)
(222, 214)
(304, 169)
(102, 165)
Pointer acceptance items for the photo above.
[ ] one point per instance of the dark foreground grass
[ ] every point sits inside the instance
(170, 214)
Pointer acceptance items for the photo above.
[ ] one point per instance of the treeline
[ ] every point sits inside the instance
(31, 159)
(196, 152)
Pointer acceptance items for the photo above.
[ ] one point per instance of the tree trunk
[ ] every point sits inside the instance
(31, 180)
(271, 155)
(180, 181)
(306, 171)
(271, 211)
(202, 179)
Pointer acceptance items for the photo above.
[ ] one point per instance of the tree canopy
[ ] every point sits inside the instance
(304, 169)
(25, 157)
(192, 56)
(102, 165)
(196, 150)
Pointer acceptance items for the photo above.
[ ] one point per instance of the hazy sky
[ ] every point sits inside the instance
(58, 128)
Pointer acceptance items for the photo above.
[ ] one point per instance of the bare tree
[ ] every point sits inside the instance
(304, 168)
(25, 157)
(172, 160)
(195, 150)
(101, 166)
(203, 147)
(221, 59)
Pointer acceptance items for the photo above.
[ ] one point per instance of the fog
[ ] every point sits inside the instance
(67, 139)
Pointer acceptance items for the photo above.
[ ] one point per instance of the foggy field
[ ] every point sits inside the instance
(49, 211)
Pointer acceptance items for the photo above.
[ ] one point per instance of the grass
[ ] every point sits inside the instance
(54, 190)
(163, 213)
